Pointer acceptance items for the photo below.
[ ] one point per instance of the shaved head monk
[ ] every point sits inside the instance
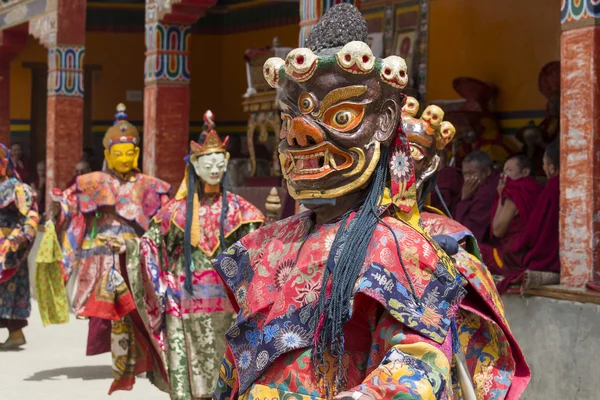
(517, 193)
(474, 210)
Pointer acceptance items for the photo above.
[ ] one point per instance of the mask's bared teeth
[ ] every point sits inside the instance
(291, 167)
(331, 160)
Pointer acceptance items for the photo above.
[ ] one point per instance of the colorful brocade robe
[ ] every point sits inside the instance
(189, 330)
(18, 227)
(398, 344)
(495, 362)
(101, 203)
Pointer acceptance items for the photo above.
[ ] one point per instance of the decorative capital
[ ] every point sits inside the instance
(579, 13)
(167, 53)
(65, 71)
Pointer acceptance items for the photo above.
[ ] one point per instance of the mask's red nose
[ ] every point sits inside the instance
(303, 134)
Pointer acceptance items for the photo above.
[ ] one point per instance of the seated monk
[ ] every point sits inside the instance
(450, 182)
(518, 192)
(540, 240)
(474, 209)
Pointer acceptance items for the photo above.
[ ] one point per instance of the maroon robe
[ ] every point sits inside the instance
(540, 240)
(449, 181)
(475, 213)
(509, 255)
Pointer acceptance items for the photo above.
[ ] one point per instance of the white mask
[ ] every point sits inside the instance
(211, 167)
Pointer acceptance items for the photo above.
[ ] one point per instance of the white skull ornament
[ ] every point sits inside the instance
(356, 58)
(394, 72)
(271, 71)
(301, 64)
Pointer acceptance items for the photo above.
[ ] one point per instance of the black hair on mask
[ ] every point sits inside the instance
(341, 24)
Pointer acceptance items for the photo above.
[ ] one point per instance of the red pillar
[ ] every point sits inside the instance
(580, 145)
(5, 101)
(64, 135)
(12, 40)
(167, 91)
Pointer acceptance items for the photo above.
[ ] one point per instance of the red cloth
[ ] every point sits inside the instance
(23, 172)
(449, 181)
(540, 239)
(524, 193)
(475, 212)
(98, 341)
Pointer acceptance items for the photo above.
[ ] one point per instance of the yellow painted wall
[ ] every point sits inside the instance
(502, 42)
(217, 64)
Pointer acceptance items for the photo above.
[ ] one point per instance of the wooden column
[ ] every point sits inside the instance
(11, 42)
(580, 143)
(5, 101)
(167, 91)
(62, 31)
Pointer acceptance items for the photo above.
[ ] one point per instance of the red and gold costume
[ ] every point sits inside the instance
(182, 301)
(119, 202)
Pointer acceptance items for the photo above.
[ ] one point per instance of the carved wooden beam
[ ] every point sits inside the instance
(185, 12)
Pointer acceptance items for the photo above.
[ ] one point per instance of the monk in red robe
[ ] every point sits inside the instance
(450, 182)
(518, 192)
(474, 210)
(541, 237)
(540, 240)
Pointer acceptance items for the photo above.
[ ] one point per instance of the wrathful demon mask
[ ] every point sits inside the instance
(340, 107)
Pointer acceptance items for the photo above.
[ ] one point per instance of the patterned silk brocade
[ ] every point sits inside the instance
(394, 345)
(100, 203)
(493, 356)
(187, 330)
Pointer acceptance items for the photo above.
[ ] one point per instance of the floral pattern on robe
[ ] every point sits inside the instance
(188, 330)
(398, 344)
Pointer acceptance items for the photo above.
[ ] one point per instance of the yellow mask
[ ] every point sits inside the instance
(122, 157)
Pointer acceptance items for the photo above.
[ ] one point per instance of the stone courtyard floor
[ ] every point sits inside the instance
(53, 366)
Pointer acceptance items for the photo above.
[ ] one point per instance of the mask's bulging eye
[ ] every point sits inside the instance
(416, 153)
(344, 117)
(306, 103)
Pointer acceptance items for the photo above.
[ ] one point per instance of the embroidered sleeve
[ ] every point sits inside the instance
(404, 364)
(24, 234)
(151, 260)
(71, 224)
